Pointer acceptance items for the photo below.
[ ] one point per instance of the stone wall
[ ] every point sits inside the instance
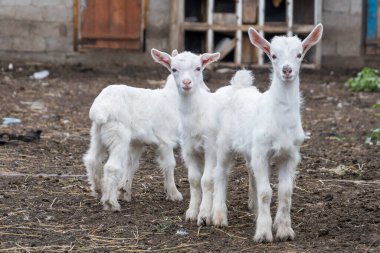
(158, 25)
(42, 30)
(342, 41)
(36, 25)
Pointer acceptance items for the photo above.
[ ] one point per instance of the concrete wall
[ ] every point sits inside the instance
(343, 33)
(158, 25)
(42, 30)
(36, 25)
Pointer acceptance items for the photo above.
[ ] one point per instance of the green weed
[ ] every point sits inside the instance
(375, 136)
(366, 80)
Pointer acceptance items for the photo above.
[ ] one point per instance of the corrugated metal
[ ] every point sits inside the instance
(372, 19)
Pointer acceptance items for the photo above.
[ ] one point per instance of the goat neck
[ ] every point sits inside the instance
(286, 93)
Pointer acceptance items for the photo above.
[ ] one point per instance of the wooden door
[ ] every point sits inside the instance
(111, 24)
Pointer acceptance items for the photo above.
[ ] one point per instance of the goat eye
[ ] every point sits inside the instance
(198, 69)
(174, 70)
(274, 57)
(299, 56)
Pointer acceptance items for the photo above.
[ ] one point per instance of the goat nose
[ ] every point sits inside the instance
(186, 81)
(287, 70)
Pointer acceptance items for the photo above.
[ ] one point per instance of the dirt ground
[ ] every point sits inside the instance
(45, 204)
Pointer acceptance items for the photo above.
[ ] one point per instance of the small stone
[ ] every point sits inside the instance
(329, 197)
(323, 232)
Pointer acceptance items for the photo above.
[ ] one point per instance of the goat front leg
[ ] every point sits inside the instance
(207, 184)
(260, 168)
(166, 161)
(193, 163)
(282, 222)
(219, 209)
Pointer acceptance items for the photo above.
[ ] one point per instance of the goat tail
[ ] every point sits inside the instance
(242, 79)
(98, 113)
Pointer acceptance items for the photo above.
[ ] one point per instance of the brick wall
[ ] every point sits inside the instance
(36, 25)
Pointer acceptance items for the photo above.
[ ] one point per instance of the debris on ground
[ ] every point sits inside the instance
(11, 121)
(35, 105)
(40, 74)
(181, 232)
(29, 136)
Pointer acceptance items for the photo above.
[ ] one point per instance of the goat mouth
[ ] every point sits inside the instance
(287, 77)
(186, 88)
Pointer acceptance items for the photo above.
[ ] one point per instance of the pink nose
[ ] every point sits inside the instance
(186, 82)
(287, 70)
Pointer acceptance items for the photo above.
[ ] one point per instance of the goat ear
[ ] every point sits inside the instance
(259, 41)
(162, 58)
(207, 58)
(174, 52)
(313, 38)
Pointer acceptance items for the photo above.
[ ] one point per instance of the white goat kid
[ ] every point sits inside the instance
(124, 119)
(198, 109)
(262, 126)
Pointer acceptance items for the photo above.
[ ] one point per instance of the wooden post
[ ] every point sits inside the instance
(176, 31)
(239, 33)
(210, 32)
(75, 24)
(317, 20)
(289, 16)
(260, 55)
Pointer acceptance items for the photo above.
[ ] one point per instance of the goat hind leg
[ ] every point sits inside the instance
(117, 139)
(252, 194)
(93, 161)
(135, 152)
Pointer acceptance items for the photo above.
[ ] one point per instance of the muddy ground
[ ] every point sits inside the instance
(45, 204)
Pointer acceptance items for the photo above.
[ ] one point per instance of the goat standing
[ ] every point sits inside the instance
(199, 110)
(265, 126)
(124, 119)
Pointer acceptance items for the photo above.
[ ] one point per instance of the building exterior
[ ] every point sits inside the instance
(69, 31)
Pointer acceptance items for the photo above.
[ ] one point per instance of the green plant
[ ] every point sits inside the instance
(366, 80)
(375, 136)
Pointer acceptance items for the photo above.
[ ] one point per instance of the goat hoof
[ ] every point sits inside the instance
(95, 194)
(219, 219)
(176, 196)
(127, 197)
(251, 205)
(203, 220)
(285, 233)
(108, 206)
(263, 237)
(191, 215)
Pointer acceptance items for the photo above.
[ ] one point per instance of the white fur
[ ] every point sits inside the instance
(262, 127)
(198, 125)
(124, 119)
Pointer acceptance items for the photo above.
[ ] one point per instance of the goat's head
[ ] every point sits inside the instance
(286, 53)
(186, 68)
